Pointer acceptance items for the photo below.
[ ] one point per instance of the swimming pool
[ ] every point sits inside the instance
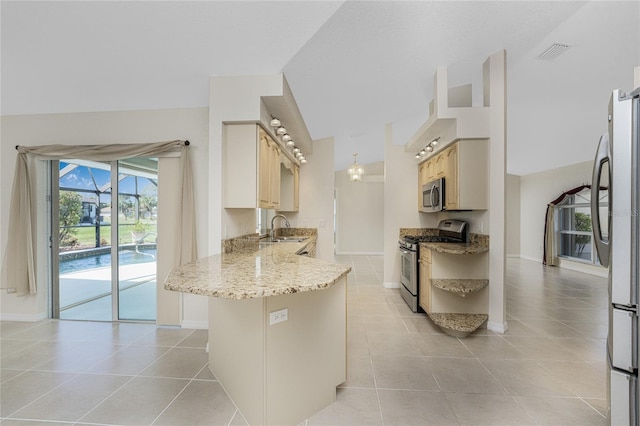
(127, 257)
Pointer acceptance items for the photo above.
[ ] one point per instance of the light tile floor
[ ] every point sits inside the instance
(548, 369)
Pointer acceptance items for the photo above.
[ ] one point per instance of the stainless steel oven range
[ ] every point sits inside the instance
(449, 231)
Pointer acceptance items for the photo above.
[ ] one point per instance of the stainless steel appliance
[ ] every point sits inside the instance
(449, 231)
(616, 168)
(433, 196)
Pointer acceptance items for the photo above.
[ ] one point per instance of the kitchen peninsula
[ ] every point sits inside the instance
(277, 327)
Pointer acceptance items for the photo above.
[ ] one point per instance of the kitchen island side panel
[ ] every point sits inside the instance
(283, 373)
(236, 352)
(306, 355)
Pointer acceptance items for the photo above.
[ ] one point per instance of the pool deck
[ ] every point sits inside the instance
(93, 287)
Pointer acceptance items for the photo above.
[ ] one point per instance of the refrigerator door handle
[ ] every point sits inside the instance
(602, 157)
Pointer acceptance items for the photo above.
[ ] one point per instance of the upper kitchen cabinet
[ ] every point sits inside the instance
(289, 185)
(426, 173)
(466, 178)
(251, 167)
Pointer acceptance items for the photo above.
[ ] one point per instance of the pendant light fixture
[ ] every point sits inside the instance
(355, 170)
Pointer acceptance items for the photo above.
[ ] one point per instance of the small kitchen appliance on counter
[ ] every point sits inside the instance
(448, 231)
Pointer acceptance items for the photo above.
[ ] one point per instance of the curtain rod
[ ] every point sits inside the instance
(187, 143)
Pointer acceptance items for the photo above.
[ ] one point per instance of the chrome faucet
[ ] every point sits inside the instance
(286, 222)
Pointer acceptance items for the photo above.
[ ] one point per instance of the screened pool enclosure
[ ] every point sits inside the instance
(107, 216)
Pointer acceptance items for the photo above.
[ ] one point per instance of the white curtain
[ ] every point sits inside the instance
(18, 264)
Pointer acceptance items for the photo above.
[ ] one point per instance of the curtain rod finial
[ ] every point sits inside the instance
(17, 146)
(187, 143)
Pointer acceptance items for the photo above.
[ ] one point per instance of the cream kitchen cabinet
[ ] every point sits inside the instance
(426, 173)
(251, 167)
(467, 175)
(452, 185)
(464, 166)
(269, 171)
(289, 186)
(424, 292)
(440, 165)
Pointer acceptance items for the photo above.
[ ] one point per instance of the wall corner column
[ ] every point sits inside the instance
(495, 80)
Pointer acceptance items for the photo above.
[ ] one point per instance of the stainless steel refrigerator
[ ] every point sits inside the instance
(616, 236)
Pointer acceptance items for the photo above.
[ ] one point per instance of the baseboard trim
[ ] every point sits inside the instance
(497, 327)
(23, 317)
(531, 259)
(198, 325)
(585, 268)
(391, 285)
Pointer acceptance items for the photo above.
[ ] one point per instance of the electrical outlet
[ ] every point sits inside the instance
(278, 316)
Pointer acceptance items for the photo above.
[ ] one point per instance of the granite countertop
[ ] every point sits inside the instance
(257, 270)
(456, 248)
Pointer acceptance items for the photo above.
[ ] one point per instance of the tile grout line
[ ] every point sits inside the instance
(74, 375)
(138, 374)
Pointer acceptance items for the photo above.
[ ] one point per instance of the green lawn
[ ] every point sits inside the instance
(86, 235)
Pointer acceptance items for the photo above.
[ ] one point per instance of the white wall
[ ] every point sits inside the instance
(360, 212)
(537, 190)
(104, 128)
(400, 204)
(316, 196)
(513, 216)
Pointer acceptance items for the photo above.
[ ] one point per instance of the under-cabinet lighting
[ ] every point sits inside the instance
(286, 138)
(428, 148)
(275, 123)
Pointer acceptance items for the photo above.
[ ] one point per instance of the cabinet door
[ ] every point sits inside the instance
(430, 172)
(452, 181)
(424, 291)
(296, 188)
(421, 181)
(274, 175)
(440, 164)
(264, 170)
(426, 173)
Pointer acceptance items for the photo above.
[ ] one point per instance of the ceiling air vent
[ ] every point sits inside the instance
(554, 51)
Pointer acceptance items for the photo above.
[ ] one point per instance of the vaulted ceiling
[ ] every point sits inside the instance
(353, 66)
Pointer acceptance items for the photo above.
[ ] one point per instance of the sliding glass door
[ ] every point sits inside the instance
(104, 253)
(137, 238)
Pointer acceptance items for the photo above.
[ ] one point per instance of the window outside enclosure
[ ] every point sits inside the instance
(85, 203)
(574, 233)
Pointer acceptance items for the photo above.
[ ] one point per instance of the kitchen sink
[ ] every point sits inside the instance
(288, 239)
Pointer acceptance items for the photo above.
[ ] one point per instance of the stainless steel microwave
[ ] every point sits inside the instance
(433, 196)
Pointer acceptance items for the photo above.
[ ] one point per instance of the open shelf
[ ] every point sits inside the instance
(458, 325)
(460, 287)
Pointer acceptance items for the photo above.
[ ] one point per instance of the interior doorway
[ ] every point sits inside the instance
(104, 251)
